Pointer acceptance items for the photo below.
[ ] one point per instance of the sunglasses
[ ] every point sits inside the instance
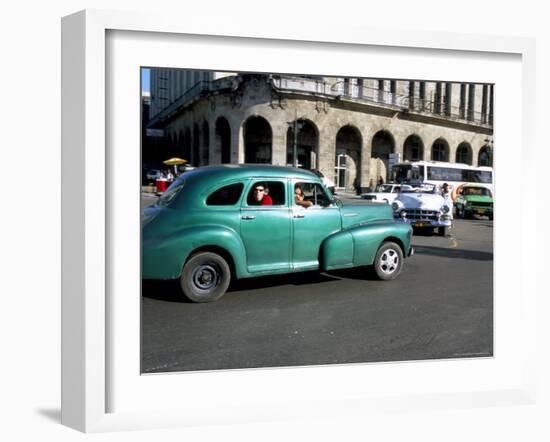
(258, 190)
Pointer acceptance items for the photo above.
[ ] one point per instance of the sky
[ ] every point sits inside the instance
(145, 79)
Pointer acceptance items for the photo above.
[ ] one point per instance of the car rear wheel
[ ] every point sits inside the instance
(388, 261)
(205, 277)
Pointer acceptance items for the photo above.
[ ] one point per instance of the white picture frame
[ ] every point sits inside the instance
(89, 314)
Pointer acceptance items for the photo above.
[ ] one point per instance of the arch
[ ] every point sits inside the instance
(464, 153)
(347, 161)
(440, 150)
(307, 144)
(485, 156)
(205, 143)
(258, 140)
(383, 144)
(223, 139)
(413, 148)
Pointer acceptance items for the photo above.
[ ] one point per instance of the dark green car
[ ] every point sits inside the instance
(474, 199)
(240, 221)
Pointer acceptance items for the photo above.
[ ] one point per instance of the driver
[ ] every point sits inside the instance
(260, 196)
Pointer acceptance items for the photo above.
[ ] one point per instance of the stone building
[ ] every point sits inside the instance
(350, 129)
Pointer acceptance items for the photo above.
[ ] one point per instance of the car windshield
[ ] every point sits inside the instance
(385, 188)
(425, 188)
(476, 191)
(167, 197)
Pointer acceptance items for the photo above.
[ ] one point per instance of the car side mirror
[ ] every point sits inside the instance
(337, 202)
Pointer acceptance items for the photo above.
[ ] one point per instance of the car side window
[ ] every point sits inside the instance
(266, 193)
(225, 196)
(312, 192)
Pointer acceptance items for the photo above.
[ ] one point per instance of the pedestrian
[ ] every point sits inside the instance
(446, 194)
(356, 186)
(371, 186)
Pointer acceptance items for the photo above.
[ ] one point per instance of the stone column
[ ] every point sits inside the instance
(278, 143)
(366, 150)
(215, 152)
(327, 151)
(399, 139)
(237, 141)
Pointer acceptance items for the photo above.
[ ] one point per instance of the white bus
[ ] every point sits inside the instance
(439, 172)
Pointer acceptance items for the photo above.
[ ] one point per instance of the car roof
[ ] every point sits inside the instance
(238, 171)
(476, 185)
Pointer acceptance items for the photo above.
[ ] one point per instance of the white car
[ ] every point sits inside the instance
(424, 207)
(386, 193)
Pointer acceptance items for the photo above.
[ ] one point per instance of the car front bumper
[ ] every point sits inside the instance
(472, 210)
(427, 222)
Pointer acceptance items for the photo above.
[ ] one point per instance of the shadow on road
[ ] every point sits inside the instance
(302, 278)
(162, 290)
(170, 291)
(453, 253)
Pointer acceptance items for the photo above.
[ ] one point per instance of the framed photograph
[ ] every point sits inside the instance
(187, 300)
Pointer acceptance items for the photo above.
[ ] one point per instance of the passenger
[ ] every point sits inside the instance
(299, 197)
(260, 196)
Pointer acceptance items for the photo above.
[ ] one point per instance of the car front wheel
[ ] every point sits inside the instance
(388, 261)
(205, 277)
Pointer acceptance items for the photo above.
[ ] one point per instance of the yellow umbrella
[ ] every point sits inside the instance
(175, 161)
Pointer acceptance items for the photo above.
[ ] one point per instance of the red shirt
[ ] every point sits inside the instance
(267, 201)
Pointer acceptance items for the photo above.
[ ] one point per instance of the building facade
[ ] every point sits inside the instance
(351, 129)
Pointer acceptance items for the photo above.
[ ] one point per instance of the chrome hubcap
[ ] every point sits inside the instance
(389, 261)
(206, 277)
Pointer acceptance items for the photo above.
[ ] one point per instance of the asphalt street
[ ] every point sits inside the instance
(441, 306)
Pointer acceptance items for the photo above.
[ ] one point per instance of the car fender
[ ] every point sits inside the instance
(357, 246)
(166, 259)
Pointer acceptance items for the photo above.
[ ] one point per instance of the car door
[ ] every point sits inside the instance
(311, 225)
(266, 229)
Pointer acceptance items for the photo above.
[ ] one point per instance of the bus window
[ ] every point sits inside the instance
(444, 174)
(478, 176)
(400, 173)
(407, 173)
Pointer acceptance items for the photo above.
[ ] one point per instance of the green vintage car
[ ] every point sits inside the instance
(221, 222)
(473, 199)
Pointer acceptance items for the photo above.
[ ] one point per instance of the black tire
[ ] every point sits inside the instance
(205, 277)
(442, 231)
(388, 261)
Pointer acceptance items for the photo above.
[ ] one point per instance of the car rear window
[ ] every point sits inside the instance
(171, 193)
(225, 196)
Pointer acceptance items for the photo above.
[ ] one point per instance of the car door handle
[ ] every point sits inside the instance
(299, 215)
(248, 217)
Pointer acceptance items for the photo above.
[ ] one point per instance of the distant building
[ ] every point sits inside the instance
(345, 127)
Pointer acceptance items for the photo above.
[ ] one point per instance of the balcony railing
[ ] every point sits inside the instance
(200, 88)
(379, 97)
